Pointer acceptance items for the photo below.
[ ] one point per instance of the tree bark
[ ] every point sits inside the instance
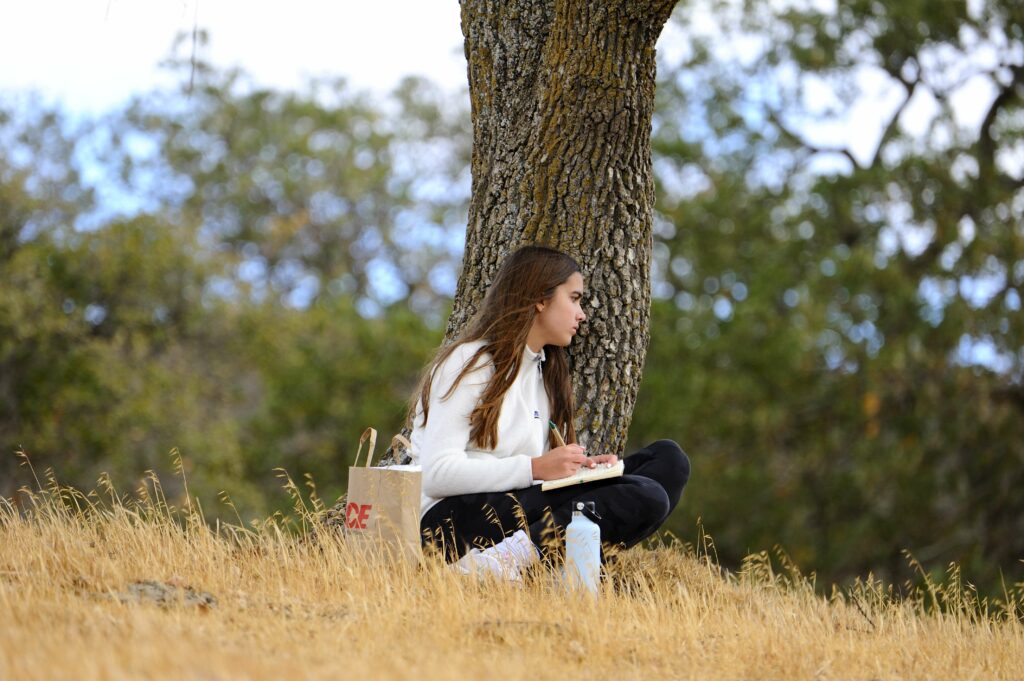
(562, 93)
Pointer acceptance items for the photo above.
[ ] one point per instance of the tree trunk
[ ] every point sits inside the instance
(562, 93)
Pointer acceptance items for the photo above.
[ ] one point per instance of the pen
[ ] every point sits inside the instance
(558, 436)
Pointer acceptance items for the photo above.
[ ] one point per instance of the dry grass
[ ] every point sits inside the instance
(289, 606)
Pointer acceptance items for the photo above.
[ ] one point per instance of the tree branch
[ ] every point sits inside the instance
(986, 145)
(890, 130)
(804, 144)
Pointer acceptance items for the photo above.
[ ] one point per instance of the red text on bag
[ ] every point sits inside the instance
(356, 515)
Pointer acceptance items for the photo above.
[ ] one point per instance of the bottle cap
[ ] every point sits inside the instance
(587, 508)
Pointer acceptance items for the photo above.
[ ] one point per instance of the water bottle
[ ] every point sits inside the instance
(583, 549)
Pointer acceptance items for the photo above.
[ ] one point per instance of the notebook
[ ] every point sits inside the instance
(601, 471)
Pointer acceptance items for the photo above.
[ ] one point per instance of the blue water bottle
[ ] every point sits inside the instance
(583, 549)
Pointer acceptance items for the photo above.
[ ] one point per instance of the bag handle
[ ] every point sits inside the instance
(402, 440)
(370, 434)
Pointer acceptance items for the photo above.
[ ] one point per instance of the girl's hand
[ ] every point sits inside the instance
(609, 459)
(560, 462)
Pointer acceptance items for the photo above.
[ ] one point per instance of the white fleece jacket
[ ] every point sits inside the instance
(451, 464)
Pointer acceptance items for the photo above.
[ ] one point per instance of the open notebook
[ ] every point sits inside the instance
(601, 471)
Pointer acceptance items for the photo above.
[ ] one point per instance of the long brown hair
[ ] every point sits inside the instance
(526, 277)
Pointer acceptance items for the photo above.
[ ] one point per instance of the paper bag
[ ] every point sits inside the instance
(382, 510)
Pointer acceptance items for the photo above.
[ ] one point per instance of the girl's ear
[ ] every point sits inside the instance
(540, 307)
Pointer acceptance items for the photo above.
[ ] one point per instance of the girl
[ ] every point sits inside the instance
(481, 431)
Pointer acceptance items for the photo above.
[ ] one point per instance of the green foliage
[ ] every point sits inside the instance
(316, 193)
(839, 332)
(325, 374)
(226, 299)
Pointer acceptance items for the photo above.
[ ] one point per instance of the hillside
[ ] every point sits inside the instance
(131, 588)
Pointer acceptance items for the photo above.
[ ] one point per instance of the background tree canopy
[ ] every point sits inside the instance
(253, 276)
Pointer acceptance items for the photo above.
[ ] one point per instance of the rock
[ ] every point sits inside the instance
(166, 593)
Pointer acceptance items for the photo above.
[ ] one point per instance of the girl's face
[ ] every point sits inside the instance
(558, 318)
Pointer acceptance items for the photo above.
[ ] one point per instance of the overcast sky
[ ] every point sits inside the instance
(91, 55)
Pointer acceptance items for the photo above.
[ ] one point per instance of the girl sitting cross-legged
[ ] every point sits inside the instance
(481, 432)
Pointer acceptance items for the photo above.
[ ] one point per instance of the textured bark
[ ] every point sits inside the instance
(562, 93)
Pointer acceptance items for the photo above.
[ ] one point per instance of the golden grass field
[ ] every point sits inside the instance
(289, 604)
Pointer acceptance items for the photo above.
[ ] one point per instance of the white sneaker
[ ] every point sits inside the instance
(505, 560)
(486, 565)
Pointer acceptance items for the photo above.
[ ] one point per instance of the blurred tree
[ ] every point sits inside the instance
(40, 196)
(845, 279)
(109, 360)
(255, 286)
(325, 373)
(314, 193)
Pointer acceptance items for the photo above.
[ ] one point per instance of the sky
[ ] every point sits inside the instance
(92, 55)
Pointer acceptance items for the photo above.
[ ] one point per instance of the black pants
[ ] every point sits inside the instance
(631, 507)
